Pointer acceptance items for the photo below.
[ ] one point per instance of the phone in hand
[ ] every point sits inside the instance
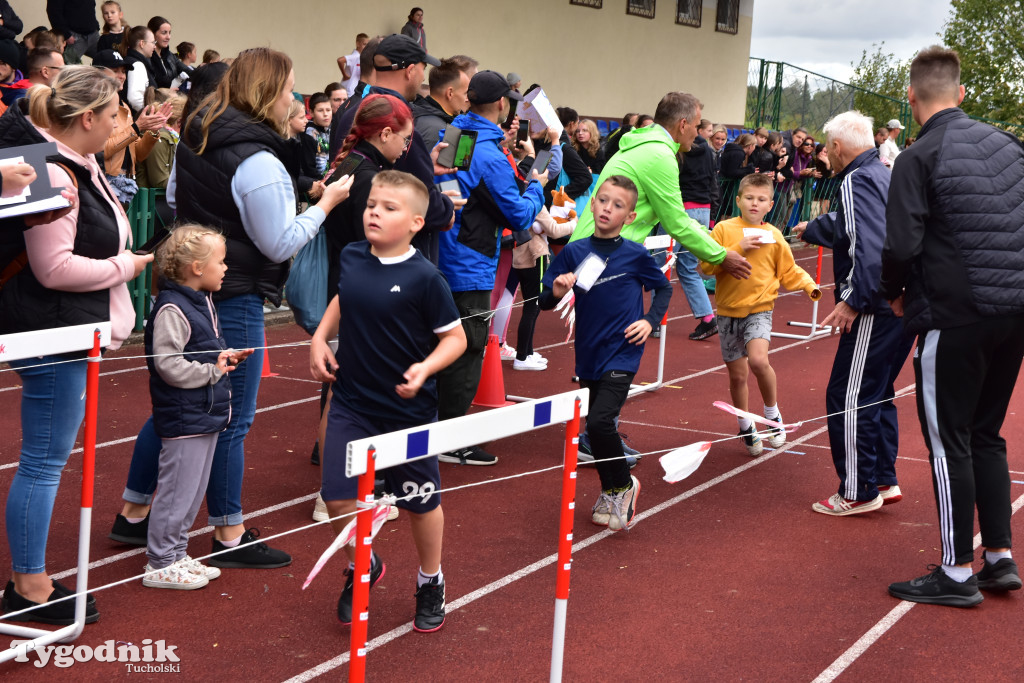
(464, 150)
(523, 134)
(540, 164)
(151, 245)
(346, 166)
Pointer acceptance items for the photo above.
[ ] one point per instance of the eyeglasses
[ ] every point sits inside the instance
(408, 142)
(807, 144)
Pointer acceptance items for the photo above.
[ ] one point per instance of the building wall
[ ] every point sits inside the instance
(600, 62)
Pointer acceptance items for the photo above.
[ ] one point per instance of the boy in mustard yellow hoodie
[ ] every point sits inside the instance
(745, 306)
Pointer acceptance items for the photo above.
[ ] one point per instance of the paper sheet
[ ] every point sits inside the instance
(536, 108)
(766, 235)
(588, 271)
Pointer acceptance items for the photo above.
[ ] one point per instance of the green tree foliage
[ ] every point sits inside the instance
(881, 73)
(990, 39)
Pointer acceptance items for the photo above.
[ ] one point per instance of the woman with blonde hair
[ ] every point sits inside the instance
(76, 274)
(232, 146)
(587, 143)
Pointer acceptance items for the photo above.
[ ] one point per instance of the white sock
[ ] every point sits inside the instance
(136, 520)
(958, 574)
(745, 423)
(422, 578)
(994, 557)
(232, 544)
(772, 412)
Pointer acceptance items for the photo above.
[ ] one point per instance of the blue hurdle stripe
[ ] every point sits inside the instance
(417, 444)
(542, 414)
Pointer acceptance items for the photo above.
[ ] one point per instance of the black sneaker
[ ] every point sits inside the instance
(249, 554)
(59, 614)
(999, 577)
(124, 531)
(377, 569)
(938, 589)
(705, 330)
(474, 455)
(314, 457)
(429, 607)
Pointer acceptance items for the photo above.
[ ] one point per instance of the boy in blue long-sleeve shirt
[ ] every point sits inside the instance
(609, 275)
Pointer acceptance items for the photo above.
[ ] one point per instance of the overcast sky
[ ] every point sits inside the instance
(827, 35)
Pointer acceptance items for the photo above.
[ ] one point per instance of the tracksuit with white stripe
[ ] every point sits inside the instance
(955, 252)
(862, 425)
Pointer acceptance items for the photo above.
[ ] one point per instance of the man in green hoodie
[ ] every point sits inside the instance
(647, 156)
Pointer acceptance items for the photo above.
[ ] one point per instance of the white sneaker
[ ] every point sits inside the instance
(507, 352)
(320, 513)
(529, 364)
(197, 567)
(175, 576)
(537, 357)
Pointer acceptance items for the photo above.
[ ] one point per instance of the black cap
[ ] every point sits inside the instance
(490, 86)
(9, 53)
(111, 59)
(402, 51)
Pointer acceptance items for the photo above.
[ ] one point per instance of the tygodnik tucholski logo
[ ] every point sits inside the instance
(148, 657)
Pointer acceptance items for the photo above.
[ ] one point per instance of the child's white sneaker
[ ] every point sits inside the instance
(320, 513)
(197, 567)
(175, 576)
(507, 352)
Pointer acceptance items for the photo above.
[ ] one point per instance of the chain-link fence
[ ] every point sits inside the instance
(781, 96)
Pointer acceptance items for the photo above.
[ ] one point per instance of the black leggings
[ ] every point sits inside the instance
(529, 282)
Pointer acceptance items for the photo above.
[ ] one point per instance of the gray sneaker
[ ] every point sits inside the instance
(623, 506)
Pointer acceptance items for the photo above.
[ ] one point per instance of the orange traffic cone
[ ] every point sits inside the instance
(266, 359)
(491, 391)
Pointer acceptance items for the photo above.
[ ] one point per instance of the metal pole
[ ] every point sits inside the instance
(572, 428)
(813, 325)
(361, 581)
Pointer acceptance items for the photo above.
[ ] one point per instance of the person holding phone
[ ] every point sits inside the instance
(78, 272)
(497, 198)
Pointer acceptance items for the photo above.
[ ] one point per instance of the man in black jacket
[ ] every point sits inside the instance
(449, 84)
(953, 267)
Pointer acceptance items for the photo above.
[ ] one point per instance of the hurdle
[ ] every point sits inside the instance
(815, 329)
(20, 346)
(367, 456)
(658, 242)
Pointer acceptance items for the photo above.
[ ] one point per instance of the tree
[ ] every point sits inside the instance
(881, 81)
(989, 36)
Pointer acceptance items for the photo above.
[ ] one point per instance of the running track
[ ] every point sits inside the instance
(727, 575)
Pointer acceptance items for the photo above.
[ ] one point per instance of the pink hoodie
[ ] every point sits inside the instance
(50, 248)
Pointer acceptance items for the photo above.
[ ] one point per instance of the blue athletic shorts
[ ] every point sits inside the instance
(420, 477)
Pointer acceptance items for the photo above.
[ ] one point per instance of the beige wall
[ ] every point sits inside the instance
(600, 62)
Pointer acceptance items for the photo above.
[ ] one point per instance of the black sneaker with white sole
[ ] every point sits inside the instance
(474, 455)
(429, 607)
(377, 569)
(250, 553)
(705, 330)
(937, 588)
(999, 577)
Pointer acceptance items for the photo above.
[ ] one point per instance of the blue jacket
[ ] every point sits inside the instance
(181, 412)
(469, 251)
(855, 232)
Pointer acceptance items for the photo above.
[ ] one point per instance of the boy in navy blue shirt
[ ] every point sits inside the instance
(396, 306)
(609, 275)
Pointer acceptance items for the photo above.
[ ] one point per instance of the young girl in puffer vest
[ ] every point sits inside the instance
(188, 362)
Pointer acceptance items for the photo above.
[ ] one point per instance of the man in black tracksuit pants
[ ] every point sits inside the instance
(863, 431)
(954, 265)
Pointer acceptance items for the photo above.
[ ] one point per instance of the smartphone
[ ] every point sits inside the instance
(523, 134)
(450, 186)
(161, 234)
(346, 166)
(540, 164)
(446, 157)
(464, 150)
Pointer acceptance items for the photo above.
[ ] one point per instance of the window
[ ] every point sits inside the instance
(596, 4)
(688, 12)
(640, 8)
(728, 20)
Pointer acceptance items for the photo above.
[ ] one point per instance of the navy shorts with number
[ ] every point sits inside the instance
(421, 477)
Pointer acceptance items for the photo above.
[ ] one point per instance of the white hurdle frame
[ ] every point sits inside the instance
(366, 456)
(815, 329)
(667, 243)
(26, 345)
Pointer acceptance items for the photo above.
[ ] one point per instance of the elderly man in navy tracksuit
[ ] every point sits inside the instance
(862, 424)
(953, 264)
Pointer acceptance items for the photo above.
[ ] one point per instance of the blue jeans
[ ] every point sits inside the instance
(52, 409)
(686, 267)
(241, 319)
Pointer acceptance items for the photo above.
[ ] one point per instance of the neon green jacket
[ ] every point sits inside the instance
(647, 156)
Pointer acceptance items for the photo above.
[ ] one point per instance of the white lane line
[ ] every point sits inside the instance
(486, 590)
(128, 439)
(198, 532)
(844, 660)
